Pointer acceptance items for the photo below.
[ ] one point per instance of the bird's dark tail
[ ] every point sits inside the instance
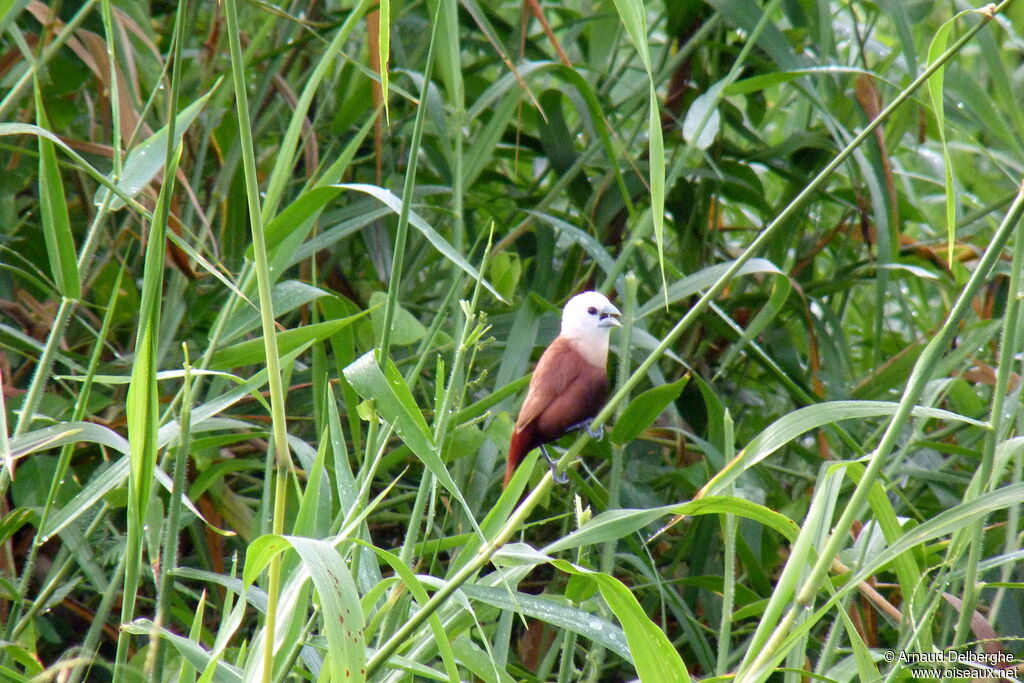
(517, 450)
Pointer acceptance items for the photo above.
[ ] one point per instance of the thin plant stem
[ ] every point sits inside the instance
(280, 452)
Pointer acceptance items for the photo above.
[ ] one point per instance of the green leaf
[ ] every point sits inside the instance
(251, 351)
(935, 83)
(764, 81)
(505, 271)
(64, 433)
(634, 18)
(9, 10)
(189, 649)
(384, 50)
(146, 159)
(615, 524)
(656, 174)
(100, 484)
(297, 217)
(26, 660)
(339, 601)
(260, 553)
(285, 296)
(703, 279)
(389, 200)
(29, 489)
(60, 243)
(600, 631)
(792, 425)
(654, 656)
(405, 328)
(15, 520)
(644, 410)
(393, 400)
(703, 120)
(415, 587)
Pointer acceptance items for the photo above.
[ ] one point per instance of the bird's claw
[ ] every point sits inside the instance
(595, 434)
(558, 477)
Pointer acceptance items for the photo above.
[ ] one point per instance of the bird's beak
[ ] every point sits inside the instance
(609, 317)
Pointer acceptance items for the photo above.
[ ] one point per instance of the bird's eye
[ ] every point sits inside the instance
(592, 311)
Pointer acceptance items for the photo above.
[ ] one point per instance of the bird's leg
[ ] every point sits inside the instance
(595, 434)
(559, 477)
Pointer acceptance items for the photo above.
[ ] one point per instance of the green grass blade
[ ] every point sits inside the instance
(60, 245)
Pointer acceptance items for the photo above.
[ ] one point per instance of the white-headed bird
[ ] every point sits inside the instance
(570, 384)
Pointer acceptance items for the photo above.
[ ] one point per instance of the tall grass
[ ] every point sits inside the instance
(272, 279)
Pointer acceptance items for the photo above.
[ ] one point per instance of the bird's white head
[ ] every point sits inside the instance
(587, 319)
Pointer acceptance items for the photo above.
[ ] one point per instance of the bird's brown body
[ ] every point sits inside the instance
(570, 384)
(565, 390)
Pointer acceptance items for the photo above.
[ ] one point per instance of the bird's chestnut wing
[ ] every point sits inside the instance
(558, 366)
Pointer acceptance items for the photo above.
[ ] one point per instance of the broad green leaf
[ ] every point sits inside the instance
(505, 270)
(778, 45)
(316, 502)
(100, 484)
(393, 400)
(615, 524)
(260, 553)
(405, 328)
(297, 217)
(30, 488)
(339, 601)
(251, 351)
(703, 279)
(600, 631)
(654, 656)
(395, 403)
(25, 658)
(792, 425)
(595, 250)
(643, 410)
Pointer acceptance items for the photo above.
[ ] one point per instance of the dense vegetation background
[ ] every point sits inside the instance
(272, 277)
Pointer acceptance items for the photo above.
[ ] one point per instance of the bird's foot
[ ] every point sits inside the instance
(559, 477)
(595, 434)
